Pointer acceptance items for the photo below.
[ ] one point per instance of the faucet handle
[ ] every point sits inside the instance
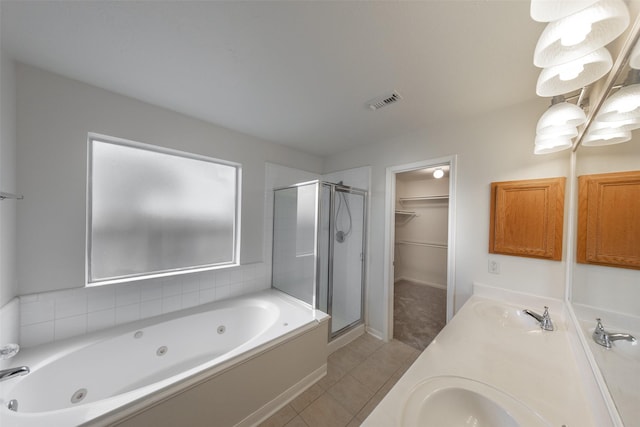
(600, 336)
(546, 322)
(8, 351)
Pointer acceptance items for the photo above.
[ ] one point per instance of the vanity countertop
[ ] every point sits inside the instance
(494, 343)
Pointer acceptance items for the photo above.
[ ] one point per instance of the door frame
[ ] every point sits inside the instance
(389, 234)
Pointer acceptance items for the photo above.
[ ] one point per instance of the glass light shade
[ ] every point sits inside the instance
(583, 32)
(561, 114)
(599, 127)
(558, 145)
(553, 141)
(438, 173)
(558, 131)
(622, 105)
(617, 137)
(574, 75)
(552, 10)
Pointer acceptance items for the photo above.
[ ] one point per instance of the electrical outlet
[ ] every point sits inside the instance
(494, 267)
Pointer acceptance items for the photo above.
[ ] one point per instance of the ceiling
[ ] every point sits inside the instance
(299, 73)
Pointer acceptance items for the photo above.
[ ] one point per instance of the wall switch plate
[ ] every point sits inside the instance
(494, 267)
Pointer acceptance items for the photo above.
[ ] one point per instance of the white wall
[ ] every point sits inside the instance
(8, 282)
(54, 115)
(493, 147)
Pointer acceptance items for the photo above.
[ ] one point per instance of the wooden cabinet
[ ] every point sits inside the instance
(527, 218)
(609, 219)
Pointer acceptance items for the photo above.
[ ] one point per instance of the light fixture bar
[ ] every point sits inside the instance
(612, 78)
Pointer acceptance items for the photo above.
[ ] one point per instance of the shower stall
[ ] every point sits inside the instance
(318, 249)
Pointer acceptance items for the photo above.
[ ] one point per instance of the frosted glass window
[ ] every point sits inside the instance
(153, 211)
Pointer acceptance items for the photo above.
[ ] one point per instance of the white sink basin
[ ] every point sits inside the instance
(506, 316)
(454, 401)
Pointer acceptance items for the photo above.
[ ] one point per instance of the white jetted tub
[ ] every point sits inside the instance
(223, 363)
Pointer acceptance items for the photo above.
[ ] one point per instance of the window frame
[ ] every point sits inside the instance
(235, 261)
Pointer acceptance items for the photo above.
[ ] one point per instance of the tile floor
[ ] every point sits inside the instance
(358, 376)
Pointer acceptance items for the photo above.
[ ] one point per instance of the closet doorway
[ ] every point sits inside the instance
(421, 279)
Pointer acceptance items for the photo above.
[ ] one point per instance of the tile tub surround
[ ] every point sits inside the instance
(52, 316)
(535, 367)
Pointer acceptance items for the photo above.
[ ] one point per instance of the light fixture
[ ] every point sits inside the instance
(551, 145)
(616, 137)
(623, 105)
(574, 75)
(552, 10)
(608, 133)
(438, 173)
(561, 118)
(581, 33)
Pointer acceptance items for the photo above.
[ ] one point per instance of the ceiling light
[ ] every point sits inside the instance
(552, 10)
(625, 103)
(580, 33)
(552, 145)
(555, 80)
(438, 173)
(558, 131)
(560, 115)
(600, 127)
(616, 137)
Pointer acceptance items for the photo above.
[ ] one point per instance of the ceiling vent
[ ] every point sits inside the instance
(383, 101)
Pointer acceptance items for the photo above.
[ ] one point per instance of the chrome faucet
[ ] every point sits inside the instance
(544, 320)
(7, 352)
(7, 374)
(604, 338)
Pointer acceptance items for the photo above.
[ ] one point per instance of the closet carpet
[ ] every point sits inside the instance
(419, 313)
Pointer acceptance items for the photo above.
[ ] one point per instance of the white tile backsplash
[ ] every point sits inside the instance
(38, 333)
(51, 316)
(10, 322)
(101, 319)
(127, 313)
(37, 312)
(70, 326)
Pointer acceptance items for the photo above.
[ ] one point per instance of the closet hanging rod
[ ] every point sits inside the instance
(416, 199)
(4, 195)
(430, 245)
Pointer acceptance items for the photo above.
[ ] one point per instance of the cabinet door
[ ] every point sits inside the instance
(609, 219)
(527, 218)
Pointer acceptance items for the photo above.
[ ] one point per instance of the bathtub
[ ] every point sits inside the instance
(222, 363)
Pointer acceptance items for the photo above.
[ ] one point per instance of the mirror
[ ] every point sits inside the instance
(612, 294)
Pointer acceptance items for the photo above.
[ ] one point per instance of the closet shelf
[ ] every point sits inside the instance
(442, 198)
(406, 215)
(427, 244)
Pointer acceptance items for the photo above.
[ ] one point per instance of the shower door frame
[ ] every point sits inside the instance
(317, 265)
(363, 256)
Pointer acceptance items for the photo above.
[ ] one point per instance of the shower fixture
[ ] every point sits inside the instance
(341, 235)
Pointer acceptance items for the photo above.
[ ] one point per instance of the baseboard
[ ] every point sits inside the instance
(345, 339)
(283, 399)
(375, 333)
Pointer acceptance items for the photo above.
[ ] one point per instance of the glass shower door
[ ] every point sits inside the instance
(342, 233)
